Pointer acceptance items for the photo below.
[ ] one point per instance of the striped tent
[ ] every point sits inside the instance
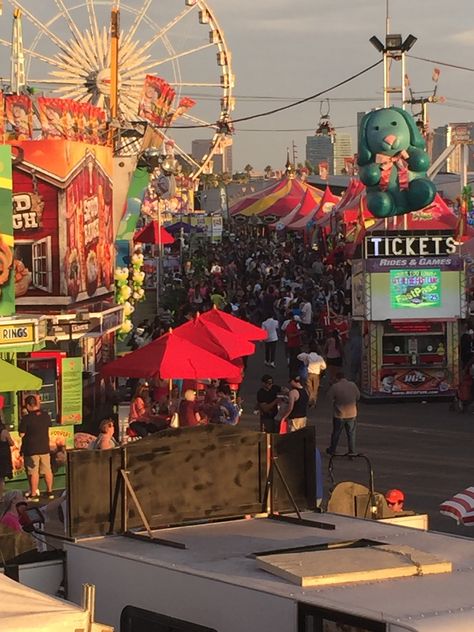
(274, 202)
(324, 208)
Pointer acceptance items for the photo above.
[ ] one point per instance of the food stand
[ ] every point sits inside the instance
(409, 292)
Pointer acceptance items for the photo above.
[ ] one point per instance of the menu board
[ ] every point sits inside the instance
(415, 288)
(71, 391)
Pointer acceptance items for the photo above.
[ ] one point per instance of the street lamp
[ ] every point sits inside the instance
(395, 48)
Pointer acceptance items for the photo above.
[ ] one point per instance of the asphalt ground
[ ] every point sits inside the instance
(424, 449)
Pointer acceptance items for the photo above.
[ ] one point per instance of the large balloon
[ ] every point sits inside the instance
(393, 162)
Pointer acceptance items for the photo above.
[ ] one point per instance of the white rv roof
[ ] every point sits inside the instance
(222, 551)
(23, 608)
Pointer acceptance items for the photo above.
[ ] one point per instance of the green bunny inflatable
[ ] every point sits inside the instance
(393, 162)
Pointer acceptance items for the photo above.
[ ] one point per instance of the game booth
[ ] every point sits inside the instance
(408, 289)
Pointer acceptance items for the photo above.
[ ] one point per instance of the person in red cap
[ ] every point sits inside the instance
(395, 499)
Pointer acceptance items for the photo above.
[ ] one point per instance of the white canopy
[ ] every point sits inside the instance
(26, 609)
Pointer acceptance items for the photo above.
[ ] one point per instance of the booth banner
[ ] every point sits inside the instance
(2, 117)
(19, 115)
(71, 391)
(415, 381)
(89, 256)
(61, 438)
(454, 262)
(7, 276)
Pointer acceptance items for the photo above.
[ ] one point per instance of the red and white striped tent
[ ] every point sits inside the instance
(460, 507)
(275, 202)
(306, 214)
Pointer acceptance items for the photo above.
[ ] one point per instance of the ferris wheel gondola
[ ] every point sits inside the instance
(67, 53)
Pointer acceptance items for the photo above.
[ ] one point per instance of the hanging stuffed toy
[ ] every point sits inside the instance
(393, 162)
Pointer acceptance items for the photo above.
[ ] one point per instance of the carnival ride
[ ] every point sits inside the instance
(68, 52)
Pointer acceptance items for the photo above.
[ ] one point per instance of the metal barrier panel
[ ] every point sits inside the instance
(295, 454)
(186, 475)
(196, 474)
(91, 482)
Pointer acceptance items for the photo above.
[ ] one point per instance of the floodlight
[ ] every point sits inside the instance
(393, 42)
(408, 43)
(376, 43)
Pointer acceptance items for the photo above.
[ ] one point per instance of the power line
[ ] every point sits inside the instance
(283, 107)
(442, 63)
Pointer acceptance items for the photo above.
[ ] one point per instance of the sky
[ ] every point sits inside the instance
(296, 49)
(283, 51)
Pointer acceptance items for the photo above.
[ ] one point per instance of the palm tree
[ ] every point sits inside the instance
(309, 167)
(248, 170)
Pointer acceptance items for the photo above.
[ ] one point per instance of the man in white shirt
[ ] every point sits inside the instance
(315, 364)
(270, 325)
(306, 315)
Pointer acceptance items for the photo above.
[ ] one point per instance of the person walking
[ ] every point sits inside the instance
(314, 364)
(293, 343)
(6, 443)
(34, 433)
(343, 396)
(270, 325)
(333, 353)
(297, 412)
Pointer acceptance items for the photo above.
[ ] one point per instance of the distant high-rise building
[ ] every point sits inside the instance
(222, 159)
(319, 149)
(322, 149)
(443, 137)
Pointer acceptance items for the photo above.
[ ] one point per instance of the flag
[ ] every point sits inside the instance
(50, 114)
(349, 165)
(19, 115)
(436, 74)
(462, 220)
(185, 104)
(323, 170)
(156, 101)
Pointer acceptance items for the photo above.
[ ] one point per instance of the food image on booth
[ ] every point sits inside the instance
(415, 288)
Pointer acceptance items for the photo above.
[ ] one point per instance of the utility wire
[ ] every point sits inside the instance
(442, 63)
(284, 107)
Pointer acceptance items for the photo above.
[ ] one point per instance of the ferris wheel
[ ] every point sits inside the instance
(63, 49)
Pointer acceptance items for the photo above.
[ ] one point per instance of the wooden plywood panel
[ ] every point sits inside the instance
(340, 566)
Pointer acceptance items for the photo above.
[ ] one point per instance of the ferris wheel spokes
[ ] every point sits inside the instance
(160, 34)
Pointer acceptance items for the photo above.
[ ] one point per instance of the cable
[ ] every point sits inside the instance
(310, 98)
(441, 63)
(276, 110)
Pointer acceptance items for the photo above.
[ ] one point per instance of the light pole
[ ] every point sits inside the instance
(394, 49)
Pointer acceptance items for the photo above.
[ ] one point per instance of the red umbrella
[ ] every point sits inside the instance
(233, 324)
(171, 356)
(153, 233)
(215, 338)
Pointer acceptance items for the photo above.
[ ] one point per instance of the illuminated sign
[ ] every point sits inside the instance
(415, 288)
(409, 246)
(17, 334)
